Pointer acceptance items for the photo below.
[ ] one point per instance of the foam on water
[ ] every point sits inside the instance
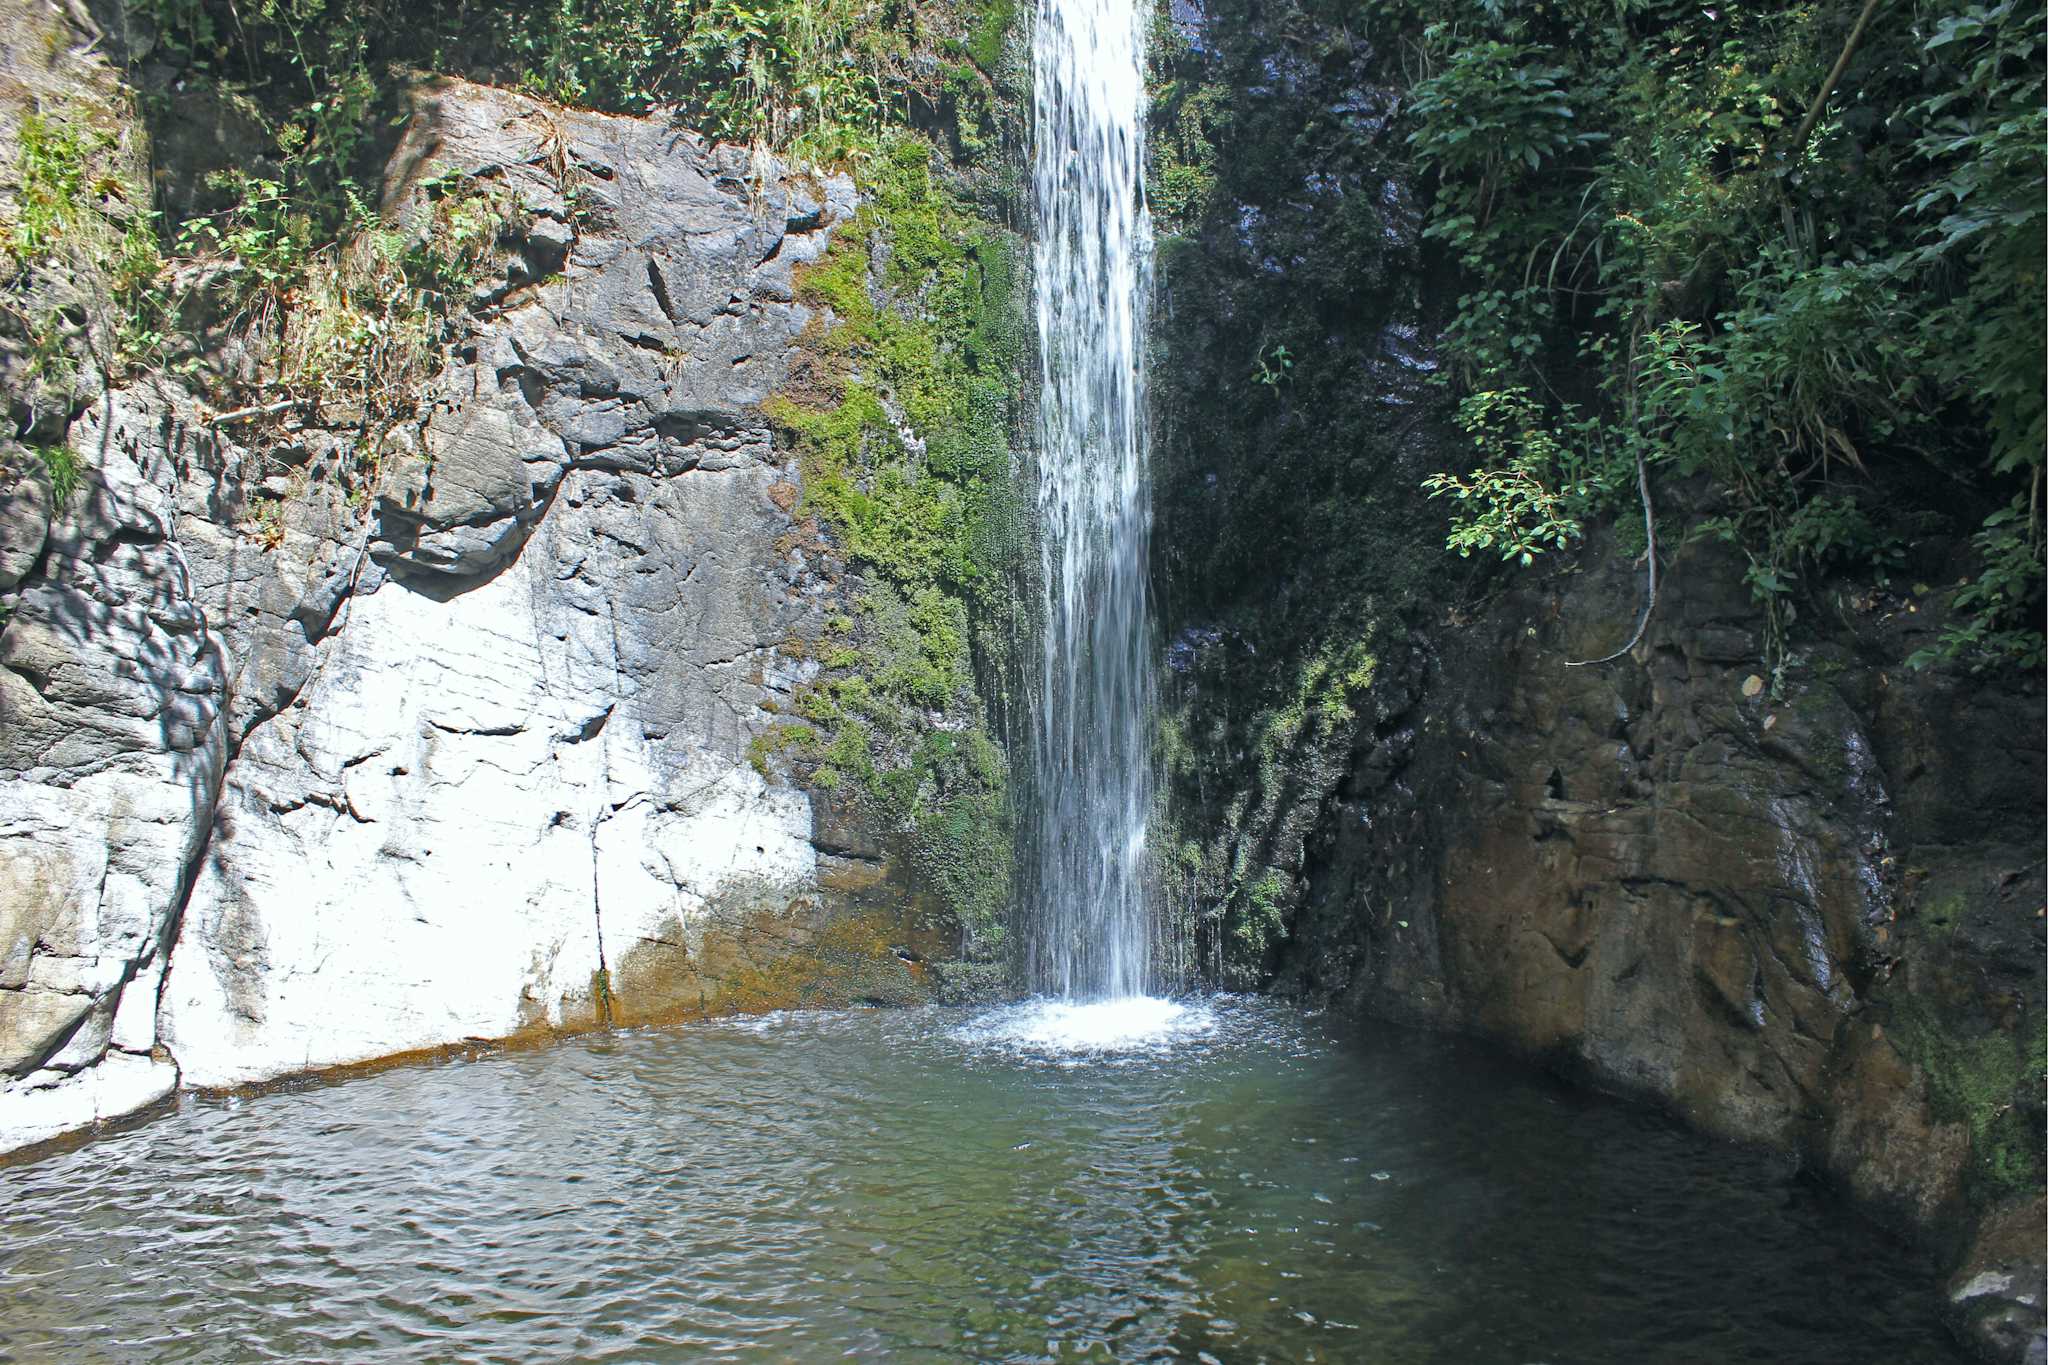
(1132, 1023)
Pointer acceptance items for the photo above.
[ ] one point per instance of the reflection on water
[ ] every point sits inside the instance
(928, 1185)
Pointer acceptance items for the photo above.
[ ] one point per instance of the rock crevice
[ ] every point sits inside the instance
(451, 765)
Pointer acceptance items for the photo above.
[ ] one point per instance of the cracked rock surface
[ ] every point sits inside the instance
(461, 763)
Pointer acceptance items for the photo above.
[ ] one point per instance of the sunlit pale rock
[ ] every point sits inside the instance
(471, 759)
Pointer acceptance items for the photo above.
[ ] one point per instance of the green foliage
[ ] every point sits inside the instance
(992, 25)
(1981, 214)
(813, 75)
(937, 359)
(346, 309)
(276, 253)
(309, 66)
(819, 78)
(1259, 918)
(1321, 704)
(79, 265)
(900, 420)
(962, 832)
(61, 463)
(1186, 111)
(1991, 1082)
(1492, 114)
(770, 743)
(1297, 737)
(1522, 497)
(1270, 367)
(1804, 329)
(332, 304)
(353, 323)
(54, 161)
(1996, 622)
(822, 79)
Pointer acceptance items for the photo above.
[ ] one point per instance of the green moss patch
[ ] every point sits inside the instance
(900, 419)
(1988, 1080)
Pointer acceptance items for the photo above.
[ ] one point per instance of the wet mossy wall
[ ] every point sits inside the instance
(1359, 724)
(1295, 421)
(906, 419)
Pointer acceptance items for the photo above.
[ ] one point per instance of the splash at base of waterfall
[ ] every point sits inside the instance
(1064, 1029)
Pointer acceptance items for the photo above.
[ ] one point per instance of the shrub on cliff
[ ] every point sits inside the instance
(1799, 252)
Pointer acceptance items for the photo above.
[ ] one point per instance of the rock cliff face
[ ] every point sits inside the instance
(1807, 917)
(289, 782)
(1799, 907)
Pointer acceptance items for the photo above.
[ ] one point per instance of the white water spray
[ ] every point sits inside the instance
(1092, 939)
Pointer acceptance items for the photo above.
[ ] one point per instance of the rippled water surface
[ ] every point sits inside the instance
(1228, 1179)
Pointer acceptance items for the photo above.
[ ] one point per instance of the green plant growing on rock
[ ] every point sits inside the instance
(355, 324)
(900, 416)
(1990, 1081)
(79, 264)
(1295, 738)
(1493, 113)
(810, 75)
(345, 315)
(1270, 367)
(822, 80)
(1186, 110)
(1260, 918)
(773, 742)
(1529, 492)
(54, 165)
(1806, 261)
(60, 462)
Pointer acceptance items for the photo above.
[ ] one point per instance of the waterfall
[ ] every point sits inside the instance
(1091, 935)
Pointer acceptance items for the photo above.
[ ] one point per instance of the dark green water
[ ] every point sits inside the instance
(939, 1186)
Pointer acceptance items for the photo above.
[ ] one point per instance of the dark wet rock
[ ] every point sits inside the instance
(1743, 904)
(1996, 1297)
(1799, 910)
(1712, 895)
(970, 983)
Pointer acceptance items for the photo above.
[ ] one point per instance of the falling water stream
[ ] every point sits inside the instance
(1090, 940)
